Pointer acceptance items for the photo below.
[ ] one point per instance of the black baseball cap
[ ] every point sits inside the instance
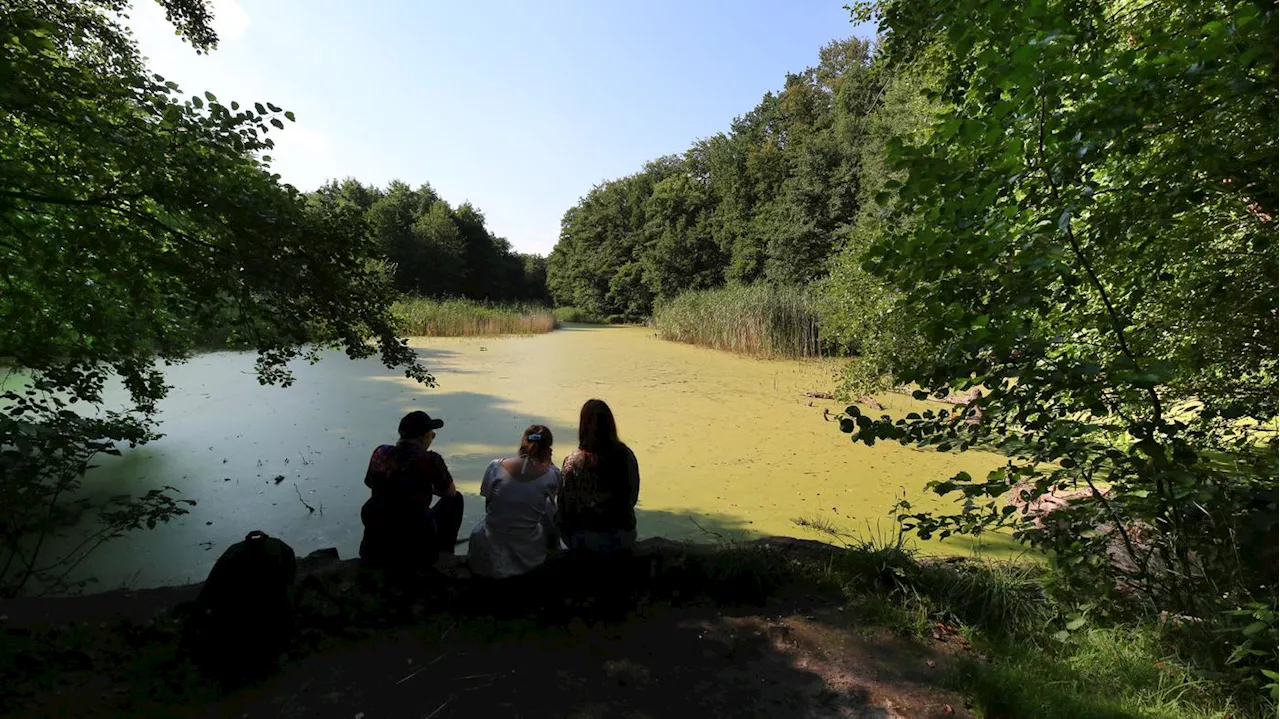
(418, 423)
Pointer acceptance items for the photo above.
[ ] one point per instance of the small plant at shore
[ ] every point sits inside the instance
(422, 317)
(758, 320)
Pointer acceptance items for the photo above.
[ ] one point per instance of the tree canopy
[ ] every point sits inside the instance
(1084, 230)
(131, 217)
(768, 200)
(436, 250)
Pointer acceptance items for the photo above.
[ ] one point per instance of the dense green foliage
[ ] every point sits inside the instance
(760, 320)
(435, 250)
(767, 201)
(1085, 229)
(574, 314)
(422, 317)
(860, 313)
(132, 216)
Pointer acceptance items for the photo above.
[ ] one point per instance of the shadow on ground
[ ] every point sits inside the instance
(761, 629)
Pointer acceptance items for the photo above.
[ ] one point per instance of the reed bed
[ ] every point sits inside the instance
(757, 320)
(422, 317)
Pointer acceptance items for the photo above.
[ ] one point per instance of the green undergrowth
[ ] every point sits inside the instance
(1032, 653)
(1102, 673)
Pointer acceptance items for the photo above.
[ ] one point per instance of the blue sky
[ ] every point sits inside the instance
(519, 107)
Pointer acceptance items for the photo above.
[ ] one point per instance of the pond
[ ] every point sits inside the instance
(729, 447)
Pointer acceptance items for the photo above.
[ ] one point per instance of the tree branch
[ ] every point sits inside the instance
(1171, 509)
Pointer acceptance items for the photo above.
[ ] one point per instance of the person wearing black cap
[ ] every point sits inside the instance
(401, 528)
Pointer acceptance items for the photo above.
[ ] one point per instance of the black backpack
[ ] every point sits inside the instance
(244, 616)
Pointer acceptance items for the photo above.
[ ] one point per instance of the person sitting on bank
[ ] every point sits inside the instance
(599, 487)
(401, 528)
(518, 527)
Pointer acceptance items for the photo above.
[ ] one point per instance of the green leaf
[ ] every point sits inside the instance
(275, 122)
(1075, 624)
(1254, 628)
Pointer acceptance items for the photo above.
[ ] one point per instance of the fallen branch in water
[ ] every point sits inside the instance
(717, 535)
(870, 401)
(300, 499)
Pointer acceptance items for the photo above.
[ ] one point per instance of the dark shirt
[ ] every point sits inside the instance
(598, 496)
(406, 474)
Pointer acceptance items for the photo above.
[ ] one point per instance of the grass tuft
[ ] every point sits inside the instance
(758, 320)
(1102, 673)
(422, 317)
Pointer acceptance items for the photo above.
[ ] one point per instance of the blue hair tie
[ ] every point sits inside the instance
(535, 437)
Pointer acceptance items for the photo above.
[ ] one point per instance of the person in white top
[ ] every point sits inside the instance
(518, 527)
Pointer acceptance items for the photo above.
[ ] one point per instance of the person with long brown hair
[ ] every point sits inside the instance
(599, 486)
(518, 526)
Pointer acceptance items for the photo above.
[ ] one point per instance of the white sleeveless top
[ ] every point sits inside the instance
(519, 517)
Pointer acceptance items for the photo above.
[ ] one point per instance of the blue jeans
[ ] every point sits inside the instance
(620, 540)
(393, 537)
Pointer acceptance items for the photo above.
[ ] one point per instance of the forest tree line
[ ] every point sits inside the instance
(434, 248)
(769, 200)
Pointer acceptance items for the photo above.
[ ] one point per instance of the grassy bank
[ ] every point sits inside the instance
(421, 317)
(757, 320)
(1015, 657)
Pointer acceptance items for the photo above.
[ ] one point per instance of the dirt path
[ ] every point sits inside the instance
(673, 662)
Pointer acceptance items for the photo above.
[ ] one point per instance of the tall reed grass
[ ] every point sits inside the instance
(757, 320)
(422, 317)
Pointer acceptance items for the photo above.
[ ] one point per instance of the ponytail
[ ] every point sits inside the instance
(535, 444)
